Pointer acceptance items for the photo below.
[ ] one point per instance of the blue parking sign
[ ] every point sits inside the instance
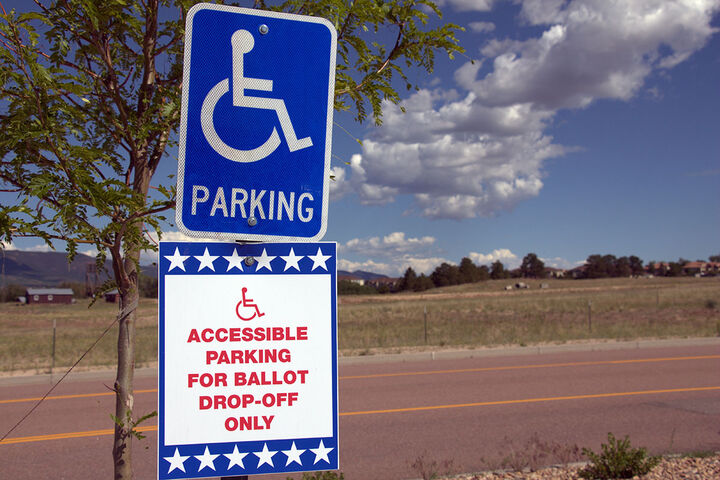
(256, 125)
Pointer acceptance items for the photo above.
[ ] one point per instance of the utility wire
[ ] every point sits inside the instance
(124, 313)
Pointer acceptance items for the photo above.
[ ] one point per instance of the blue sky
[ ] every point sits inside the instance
(615, 149)
(584, 126)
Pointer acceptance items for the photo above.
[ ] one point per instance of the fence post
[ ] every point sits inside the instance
(589, 315)
(425, 317)
(52, 365)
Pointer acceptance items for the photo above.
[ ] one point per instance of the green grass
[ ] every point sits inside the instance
(480, 314)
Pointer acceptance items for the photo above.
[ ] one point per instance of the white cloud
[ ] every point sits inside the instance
(482, 151)
(41, 247)
(338, 187)
(394, 253)
(562, 263)
(503, 254)
(422, 265)
(177, 236)
(482, 27)
(541, 11)
(367, 266)
(391, 254)
(467, 5)
(459, 159)
(394, 268)
(390, 245)
(592, 49)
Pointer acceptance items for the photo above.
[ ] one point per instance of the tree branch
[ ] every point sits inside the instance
(341, 33)
(158, 151)
(165, 206)
(382, 66)
(148, 57)
(171, 43)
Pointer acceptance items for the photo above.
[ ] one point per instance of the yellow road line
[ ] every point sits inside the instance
(531, 400)
(77, 395)
(525, 367)
(65, 436)
(429, 372)
(152, 428)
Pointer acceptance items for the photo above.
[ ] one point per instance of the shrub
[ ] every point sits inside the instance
(329, 475)
(347, 287)
(430, 469)
(533, 453)
(617, 460)
(10, 293)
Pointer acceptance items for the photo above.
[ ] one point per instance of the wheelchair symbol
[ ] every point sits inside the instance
(243, 42)
(247, 303)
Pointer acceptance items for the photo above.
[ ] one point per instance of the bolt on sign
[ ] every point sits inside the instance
(247, 359)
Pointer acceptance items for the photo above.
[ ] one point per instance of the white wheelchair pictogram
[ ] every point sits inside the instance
(247, 303)
(243, 42)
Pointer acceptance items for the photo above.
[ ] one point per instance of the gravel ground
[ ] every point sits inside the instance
(668, 469)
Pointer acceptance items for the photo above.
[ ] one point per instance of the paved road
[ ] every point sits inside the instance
(466, 411)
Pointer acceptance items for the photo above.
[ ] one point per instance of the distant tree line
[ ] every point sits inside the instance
(605, 266)
(467, 272)
(10, 293)
(596, 266)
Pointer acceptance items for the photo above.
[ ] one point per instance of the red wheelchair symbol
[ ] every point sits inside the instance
(247, 303)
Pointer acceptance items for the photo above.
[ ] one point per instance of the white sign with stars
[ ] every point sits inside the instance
(247, 359)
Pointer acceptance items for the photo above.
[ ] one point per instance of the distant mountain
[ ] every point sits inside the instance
(361, 274)
(49, 269)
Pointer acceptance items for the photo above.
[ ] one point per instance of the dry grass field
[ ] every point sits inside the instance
(485, 314)
(481, 314)
(26, 335)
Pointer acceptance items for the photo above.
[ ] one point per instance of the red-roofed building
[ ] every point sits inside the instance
(49, 295)
(701, 268)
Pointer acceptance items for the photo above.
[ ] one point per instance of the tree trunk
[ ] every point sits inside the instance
(124, 399)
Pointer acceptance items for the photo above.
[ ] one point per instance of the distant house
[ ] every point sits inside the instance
(380, 281)
(49, 295)
(578, 272)
(694, 268)
(701, 268)
(351, 278)
(712, 268)
(552, 272)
